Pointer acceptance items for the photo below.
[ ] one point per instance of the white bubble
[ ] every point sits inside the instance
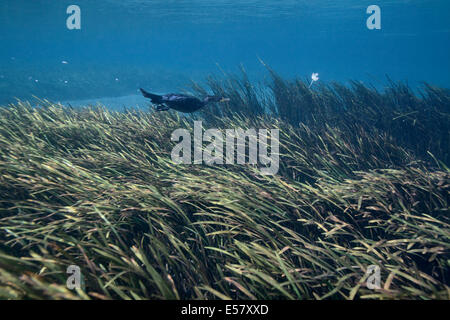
(64, 62)
(314, 78)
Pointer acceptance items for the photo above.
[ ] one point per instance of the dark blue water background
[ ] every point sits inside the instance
(162, 44)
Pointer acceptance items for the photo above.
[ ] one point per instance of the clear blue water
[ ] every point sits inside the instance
(162, 44)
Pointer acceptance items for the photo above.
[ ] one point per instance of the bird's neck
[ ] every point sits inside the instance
(206, 100)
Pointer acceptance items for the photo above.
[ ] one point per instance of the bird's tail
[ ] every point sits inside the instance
(154, 97)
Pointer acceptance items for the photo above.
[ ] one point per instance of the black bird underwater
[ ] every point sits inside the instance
(180, 102)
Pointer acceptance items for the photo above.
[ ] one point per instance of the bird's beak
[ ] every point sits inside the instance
(224, 100)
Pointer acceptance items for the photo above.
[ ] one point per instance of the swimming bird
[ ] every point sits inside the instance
(180, 102)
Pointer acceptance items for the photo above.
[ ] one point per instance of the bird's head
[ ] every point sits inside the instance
(213, 99)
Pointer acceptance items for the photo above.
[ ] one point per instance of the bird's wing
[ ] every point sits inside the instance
(175, 97)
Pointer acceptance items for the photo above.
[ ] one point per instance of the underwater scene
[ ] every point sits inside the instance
(224, 150)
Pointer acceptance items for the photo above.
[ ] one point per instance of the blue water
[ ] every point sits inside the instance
(161, 44)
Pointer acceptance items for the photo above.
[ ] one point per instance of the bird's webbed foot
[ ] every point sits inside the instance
(162, 107)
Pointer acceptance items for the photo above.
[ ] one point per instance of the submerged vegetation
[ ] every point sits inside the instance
(363, 180)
